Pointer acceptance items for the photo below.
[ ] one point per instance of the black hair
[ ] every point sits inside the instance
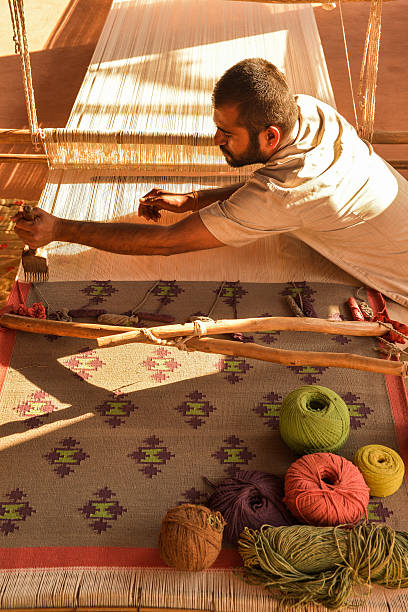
(261, 93)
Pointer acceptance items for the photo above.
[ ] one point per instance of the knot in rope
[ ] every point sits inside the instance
(180, 342)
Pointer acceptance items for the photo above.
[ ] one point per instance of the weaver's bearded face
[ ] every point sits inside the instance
(239, 146)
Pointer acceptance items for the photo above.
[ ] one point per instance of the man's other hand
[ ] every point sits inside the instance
(158, 199)
(39, 232)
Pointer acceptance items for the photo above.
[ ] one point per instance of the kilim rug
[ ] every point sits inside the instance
(97, 444)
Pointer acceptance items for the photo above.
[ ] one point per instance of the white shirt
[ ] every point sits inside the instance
(328, 188)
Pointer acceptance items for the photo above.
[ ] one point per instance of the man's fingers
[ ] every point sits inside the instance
(150, 213)
(151, 195)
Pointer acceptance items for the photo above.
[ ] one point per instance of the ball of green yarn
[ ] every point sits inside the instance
(314, 419)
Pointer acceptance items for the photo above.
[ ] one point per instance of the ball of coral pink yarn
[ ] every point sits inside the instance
(324, 489)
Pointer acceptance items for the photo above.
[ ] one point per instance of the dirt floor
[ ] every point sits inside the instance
(62, 35)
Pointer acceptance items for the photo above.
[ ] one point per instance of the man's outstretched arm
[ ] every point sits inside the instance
(189, 234)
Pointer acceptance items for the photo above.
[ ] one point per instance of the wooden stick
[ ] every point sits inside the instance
(260, 324)
(59, 328)
(398, 164)
(23, 136)
(298, 358)
(15, 136)
(122, 335)
(27, 158)
(390, 137)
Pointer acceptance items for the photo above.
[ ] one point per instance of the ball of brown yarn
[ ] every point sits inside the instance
(190, 537)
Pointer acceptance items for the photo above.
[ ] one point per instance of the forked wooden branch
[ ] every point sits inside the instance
(228, 347)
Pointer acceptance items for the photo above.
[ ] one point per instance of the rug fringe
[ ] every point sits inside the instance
(213, 591)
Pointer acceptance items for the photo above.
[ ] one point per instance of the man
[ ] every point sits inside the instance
(319, 181)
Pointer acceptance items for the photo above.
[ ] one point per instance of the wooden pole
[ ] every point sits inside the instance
(20, 158)
(23, 136)
(398, 164)
(122, 335)
(298, 358)
(16, 136)
(390, 138)
(260, 324)
(59, 328)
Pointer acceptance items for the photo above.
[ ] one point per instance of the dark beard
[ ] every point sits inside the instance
(252, 155)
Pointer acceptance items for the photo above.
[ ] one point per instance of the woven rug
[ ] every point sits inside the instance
(97, 444)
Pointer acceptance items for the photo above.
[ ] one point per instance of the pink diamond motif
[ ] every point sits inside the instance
(161, 364)
(36, 404)
(84, 364)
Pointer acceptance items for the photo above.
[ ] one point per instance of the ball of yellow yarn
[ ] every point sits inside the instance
(382, 468)
(190, 538)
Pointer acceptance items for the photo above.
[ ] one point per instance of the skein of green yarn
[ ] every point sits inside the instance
(382, 468)
(314, 419)
(320, 565)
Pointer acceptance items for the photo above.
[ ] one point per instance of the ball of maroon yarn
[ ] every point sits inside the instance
(250, 499)
(324, 489)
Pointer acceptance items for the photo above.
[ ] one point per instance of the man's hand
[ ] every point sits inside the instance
(158, 199)
(39, 232)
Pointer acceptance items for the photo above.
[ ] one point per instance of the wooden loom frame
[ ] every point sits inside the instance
(23, 136)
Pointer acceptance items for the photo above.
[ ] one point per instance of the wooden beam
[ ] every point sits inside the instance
(398, 164)
(390, 137)
(23, 158)
(116, 335)
(15, 136)
(23, 136)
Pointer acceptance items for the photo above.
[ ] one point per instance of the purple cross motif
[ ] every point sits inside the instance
(269, 409)
(233, 456)
(103, 510)
(196, 408)
(167, 291)
(232, 367)
(359, 412)
(341, 339)
(302, 294)
(152, 456)
(377, 512)
(193, 496)
(99, 291)
(269, 337)
(310, 374)
(13, 511)
(65, 457)
(117, 409)
(231, 294)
